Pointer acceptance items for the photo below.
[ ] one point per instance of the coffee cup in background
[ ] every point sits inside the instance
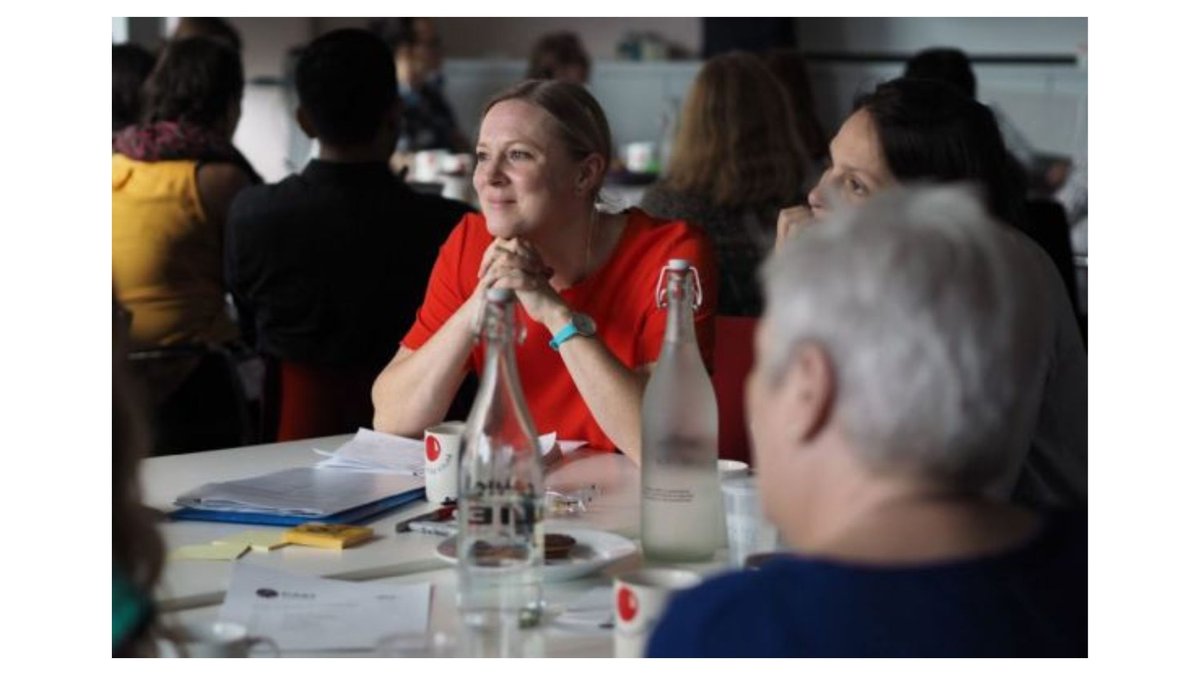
(443, 442)
(639, 599)
(640, 157)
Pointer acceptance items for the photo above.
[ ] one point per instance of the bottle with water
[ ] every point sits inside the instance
(681, 497)
(500, 531)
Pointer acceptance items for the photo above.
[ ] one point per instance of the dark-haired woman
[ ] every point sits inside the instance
(912, 130)
(174, 177)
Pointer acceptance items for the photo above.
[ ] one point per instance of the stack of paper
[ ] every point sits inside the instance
(384, 453)
(377, 452)
(297, 495)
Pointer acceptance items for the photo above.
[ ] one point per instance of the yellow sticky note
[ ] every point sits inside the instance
(324, 535)
(209, 552)
(260, 541)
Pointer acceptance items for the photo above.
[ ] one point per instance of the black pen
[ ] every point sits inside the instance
(440, 514)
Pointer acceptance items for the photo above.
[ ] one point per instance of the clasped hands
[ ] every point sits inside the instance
(516, 264)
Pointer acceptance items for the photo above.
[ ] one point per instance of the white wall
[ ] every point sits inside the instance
(514, 37)
(1047, 102)
(267, 129)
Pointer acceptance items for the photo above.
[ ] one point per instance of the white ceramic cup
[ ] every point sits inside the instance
(216, 639)
(747, 529)
(639, 599)
(442, 445)
(427, 166)
(728, 469)
(639, 157)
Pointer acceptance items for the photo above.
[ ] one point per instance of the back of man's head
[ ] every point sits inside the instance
(944, 64)
(933, 324)
(347, 84)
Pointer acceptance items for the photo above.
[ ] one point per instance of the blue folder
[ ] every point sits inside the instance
(354, 516)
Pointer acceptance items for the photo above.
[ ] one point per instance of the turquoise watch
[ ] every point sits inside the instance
(579, 325)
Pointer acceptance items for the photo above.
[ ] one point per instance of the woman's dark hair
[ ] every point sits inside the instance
(347, 82)
(209, 27)
(932, 131)
(945, 64)
(556, 51)
(196, 81)
(131, 65)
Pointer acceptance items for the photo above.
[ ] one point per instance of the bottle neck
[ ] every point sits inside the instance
(499, 355)
(500, 399)
(681, 296)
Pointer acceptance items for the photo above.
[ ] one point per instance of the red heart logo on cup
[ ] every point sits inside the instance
(627, 604)
(433, 449)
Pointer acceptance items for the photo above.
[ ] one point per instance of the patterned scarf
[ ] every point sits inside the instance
(162, 141)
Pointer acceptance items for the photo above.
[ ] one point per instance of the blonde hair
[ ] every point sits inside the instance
(735, 145)
(580, 120)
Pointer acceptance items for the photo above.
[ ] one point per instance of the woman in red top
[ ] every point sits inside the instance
(584, 279)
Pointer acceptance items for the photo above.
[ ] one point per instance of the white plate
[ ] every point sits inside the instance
(593, 550)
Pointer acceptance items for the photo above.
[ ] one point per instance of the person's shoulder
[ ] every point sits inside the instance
(668, 203)
(713, 619)
(662, 228)
(258, 201)
(222, 175)
(654, 240)
(468, 235)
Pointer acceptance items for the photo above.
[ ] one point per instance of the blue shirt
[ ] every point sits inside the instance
(1031, 601)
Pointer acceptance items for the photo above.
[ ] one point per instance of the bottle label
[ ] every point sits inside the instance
(520, 516)
(677, 496)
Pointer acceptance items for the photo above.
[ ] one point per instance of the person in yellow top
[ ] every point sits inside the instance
(174, 177)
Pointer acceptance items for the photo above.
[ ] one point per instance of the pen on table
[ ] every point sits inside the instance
(442, 513)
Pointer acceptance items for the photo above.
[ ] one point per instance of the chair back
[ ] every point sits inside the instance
(733, 357)
(322, 400)
(198, 399)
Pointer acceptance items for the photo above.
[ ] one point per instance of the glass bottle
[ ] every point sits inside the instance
(500, 514)
(681, 497)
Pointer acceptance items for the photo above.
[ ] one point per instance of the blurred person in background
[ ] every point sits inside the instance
(1042, 174)
(789, 67)
(874, 456)
(174, 177)
(210, 27)
(331, 263)
(131, 65)
(429, 121)
(584, 278)
(915, 130)
(559, 56)
(137, 548)
(733, 166)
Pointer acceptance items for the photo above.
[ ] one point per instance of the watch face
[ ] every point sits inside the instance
(584, 324)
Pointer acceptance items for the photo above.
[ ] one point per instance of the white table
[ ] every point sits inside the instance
(193, 590)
